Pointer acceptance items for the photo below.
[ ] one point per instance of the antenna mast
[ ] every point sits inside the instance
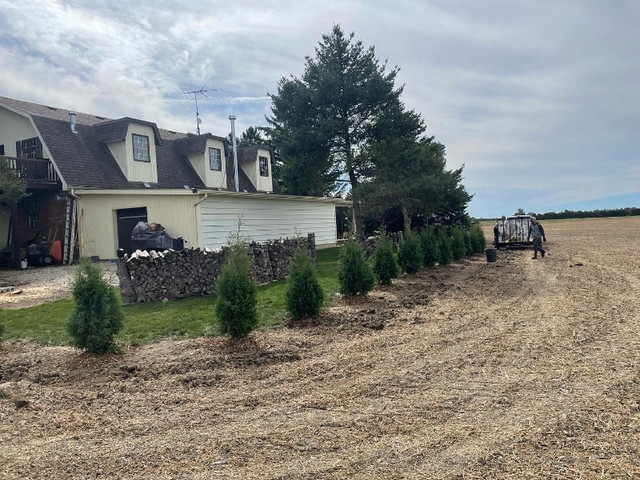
(195, 94)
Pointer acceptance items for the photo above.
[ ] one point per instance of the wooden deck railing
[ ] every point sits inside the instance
(33, 170)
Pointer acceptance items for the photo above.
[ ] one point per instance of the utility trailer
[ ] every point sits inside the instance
(514, 231)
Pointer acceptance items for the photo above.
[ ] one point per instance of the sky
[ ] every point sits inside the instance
(540, 101)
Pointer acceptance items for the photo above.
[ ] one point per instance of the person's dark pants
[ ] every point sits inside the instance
(537, 246)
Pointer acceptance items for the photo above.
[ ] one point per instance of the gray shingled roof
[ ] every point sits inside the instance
(85, 161)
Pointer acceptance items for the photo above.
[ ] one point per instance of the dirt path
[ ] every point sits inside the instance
(518, 369)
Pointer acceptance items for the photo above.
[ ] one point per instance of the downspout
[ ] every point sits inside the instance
(198, 224)
(235, 151)
(72, 234)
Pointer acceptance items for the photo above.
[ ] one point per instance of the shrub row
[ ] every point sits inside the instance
(97, 317)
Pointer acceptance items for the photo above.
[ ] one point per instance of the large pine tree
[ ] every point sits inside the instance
(327, 123)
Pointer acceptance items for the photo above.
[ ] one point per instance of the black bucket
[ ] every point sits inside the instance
(492, 254)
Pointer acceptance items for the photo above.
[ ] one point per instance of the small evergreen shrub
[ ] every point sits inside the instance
(304, 296)
(458, 248)
(385, 265)
(355, 276)
(429, 243)
(467, 242)
(97, 317)
(410, 256)
(236, 300)
(444, 249)
(478, 242)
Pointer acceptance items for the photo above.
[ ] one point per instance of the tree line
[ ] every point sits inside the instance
(606, 212)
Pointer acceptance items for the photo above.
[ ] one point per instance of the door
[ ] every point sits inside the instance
(128, 218)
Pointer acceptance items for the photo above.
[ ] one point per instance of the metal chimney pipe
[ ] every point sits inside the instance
(72, 118)
(235, 150)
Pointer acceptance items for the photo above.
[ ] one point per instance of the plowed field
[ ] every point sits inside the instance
(516, 369)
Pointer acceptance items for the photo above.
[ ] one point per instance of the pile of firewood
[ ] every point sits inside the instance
(155, 276)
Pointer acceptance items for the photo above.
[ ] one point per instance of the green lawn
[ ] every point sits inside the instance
(149, 322)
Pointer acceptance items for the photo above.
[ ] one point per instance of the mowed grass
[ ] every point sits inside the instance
(146, 323)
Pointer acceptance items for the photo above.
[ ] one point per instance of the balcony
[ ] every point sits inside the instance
(36, 172)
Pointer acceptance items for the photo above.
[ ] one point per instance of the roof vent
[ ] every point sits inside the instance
(72, 119)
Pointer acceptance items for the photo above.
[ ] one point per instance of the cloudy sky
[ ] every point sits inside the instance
(539, 100)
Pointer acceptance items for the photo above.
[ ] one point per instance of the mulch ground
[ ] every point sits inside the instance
(516, 369)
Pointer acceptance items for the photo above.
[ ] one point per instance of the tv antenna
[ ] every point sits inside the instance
(195, 94)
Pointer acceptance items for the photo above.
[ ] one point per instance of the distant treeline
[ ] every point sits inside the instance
(607, 212)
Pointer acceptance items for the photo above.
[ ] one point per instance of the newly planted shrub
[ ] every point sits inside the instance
(410, 256)
(429, 243)
(236, 301)
(467, 242)
(385, 265)
(304, 296)
(458, 248)
(97, 316)
(478, 242)
(355, 276)
(444, 249)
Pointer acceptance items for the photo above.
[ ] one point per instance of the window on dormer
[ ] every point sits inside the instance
(141, 148)
(264, 166)
(215, 159)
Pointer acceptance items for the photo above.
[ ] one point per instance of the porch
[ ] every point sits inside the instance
(38, 173)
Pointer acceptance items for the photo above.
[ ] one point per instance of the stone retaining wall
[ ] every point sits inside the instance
(155, 276)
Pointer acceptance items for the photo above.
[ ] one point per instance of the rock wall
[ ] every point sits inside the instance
(154, 276)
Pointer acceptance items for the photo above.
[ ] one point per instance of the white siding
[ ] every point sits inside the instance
(268, 218)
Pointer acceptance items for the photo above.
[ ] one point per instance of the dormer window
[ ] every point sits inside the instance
(141, 148)
(215, 159)
(264, 166)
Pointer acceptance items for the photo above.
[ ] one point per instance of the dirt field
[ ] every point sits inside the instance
(518, 369)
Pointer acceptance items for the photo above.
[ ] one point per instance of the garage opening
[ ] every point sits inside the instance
(127, 219)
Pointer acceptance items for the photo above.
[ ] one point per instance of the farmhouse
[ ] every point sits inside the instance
(91, 179)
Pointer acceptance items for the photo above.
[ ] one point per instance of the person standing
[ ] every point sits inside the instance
(537, 233)
(496, 234)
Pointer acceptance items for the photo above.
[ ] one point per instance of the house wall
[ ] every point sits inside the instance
(200, 163)
(265, 218)
(14, 127)
(98, 219)
(118, 150)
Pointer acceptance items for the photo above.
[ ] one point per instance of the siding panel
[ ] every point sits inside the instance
(267, 219)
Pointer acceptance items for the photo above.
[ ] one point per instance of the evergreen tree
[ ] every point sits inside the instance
(410, 255)
(355, 276)
(97, 317)
(444, 247)
(467, 242)
(430, 247)
(478, 242)
(236, 299)
(326, 123)
(458, 248)
(385, 265)
(304, 296)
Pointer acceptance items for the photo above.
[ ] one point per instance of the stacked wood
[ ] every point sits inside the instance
(156, 276)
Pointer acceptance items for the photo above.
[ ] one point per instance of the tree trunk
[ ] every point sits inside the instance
(406, 218)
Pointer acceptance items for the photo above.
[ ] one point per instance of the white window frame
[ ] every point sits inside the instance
(263, 172)
(219, 165)
(141, 153)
